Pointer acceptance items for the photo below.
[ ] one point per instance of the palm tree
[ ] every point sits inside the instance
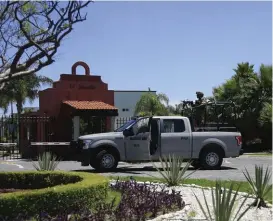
(251, 92)
(19, 89)
(4, 102)
(150, 104)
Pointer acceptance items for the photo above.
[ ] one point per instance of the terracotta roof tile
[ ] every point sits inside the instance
(90, 105)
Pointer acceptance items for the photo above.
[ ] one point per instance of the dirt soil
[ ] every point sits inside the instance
(9, 190)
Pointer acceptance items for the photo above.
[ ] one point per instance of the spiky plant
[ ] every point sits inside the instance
(46, 162)
(172, 170)
(261, 186)
(224, 204)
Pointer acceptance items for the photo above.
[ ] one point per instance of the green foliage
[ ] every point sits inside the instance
(150, 104)
(172, 170)
(73, 191)
(46, 162)
(252, 94)
(224, 204)
(261, 186)
(35, 180)
(265, 118)
(22, 88)
(29, 8)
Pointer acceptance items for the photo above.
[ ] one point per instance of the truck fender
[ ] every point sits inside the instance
(214, 141)
(105, 144)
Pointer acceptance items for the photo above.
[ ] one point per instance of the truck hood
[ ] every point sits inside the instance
(101, 136)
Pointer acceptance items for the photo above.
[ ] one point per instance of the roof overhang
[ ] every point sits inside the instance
(91, 108)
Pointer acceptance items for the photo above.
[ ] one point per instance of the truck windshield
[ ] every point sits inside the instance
(124, 126)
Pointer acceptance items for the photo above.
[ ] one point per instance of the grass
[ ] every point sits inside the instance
(113, 194)
(244, 186)
(192, 214)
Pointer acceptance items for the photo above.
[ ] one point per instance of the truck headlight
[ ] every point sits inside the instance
(87, 144)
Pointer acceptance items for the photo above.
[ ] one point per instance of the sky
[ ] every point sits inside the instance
(176, 48)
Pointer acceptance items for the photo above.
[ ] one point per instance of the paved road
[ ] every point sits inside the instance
(231, 169)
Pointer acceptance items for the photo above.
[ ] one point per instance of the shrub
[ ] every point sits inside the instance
(46, 161)
(224, 204)
(138, 202)
(261, 186)
(66, 192)
(172, 171)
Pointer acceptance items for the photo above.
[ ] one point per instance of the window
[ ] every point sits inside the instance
(173, 126)
(141, 126)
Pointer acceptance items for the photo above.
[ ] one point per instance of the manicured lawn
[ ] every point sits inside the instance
(244, 186)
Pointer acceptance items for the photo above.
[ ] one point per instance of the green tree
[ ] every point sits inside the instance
(31, 33)
(175, 109)
(152, 104)
(251, 92)
(4, 102)
(20, 89)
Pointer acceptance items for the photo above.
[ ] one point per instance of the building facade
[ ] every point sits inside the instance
(125, 101)
(77, 105)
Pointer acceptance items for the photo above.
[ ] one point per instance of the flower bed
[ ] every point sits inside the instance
(51, 193)
(138, 202)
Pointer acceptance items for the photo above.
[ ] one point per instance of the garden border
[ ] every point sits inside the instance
(173, 214)
(72, 196)
(194, 186)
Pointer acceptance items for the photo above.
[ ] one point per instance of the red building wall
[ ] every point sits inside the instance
(69, 87)
(74, 87)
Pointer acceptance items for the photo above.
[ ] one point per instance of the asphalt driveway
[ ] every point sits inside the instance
(231, 170)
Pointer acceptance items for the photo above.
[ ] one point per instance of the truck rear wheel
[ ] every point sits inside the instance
(211, 159)
(105, 160)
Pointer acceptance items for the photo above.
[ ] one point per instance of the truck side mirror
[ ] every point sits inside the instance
(128, 132)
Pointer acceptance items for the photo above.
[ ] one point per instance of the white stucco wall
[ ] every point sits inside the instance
(127, 100)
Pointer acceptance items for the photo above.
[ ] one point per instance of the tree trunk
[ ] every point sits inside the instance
(19, 106)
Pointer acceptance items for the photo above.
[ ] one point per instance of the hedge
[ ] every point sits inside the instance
(66, 192)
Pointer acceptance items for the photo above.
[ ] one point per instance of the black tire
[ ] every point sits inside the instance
(211, 158)
(100, 163)
(196, 164)
(92, 164)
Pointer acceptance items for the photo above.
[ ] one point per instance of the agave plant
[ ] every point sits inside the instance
(261, 186)
(224, 204)
(172, 170)
(46, 161)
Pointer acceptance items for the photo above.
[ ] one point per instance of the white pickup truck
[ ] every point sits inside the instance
(148, 138)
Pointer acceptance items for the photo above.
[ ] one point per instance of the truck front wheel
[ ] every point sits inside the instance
(105, 160)
(211, 159)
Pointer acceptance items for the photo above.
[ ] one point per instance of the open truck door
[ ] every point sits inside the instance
(155, 137)
(137, 141)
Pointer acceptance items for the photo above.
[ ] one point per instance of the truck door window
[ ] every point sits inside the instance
(173, 126)
(141, 126)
